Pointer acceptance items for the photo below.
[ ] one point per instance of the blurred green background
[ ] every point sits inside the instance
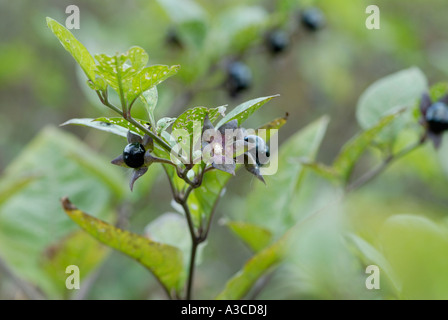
(321, 73)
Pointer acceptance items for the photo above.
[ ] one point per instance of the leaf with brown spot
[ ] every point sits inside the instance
(164, 261)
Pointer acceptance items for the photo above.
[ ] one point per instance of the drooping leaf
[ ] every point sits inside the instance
(76, 49)
(164, 261)
(244, 110)
(256, 237)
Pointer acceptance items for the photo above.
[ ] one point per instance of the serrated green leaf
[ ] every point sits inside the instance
(164, 261)
(353, 149)
(244, 110)
(256, 237)
(76, 49)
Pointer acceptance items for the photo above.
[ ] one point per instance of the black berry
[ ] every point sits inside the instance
(239, 78)
(313, 19)
(437, 117)
(277, 41)
(134, 155)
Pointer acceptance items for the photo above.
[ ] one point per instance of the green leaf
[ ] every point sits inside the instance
(401, 89)
(202, 201)
(183, 10)
(77, 248)
(150, 98)
(256, 237)
(353, 149)
(127, 75)
(244, 110)
(257, 266)
(438, 91)
(163, 124)
(324, 171)
(54, 164)
(75, 48)
(417, 250)
(271, 206)
(274, 125)
(164, 261)
(371, 255)
(239, 26)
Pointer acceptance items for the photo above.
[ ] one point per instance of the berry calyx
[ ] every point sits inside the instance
(134, 155)
(437, 117)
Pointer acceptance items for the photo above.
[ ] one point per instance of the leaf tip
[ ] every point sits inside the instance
(67, 205)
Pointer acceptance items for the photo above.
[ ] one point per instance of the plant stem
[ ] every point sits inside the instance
(370, 175)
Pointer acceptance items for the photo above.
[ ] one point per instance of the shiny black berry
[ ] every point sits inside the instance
(239, 78)
(437, 117)
(312, 19)
(277, 41)
(134, 155)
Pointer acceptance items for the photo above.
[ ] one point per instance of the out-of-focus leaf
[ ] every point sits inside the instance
(237, 287)
(244, 110)
(32, 220)
(371, 255)
(239, 26)
(438, 90)
(13, 186)
(164, 261)
(417, 249)
(79, 249)
(353, 149)
(324, 171)
(256, 237)
(270, 206)
(183, 10)
(75, 48)
(387, 95)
